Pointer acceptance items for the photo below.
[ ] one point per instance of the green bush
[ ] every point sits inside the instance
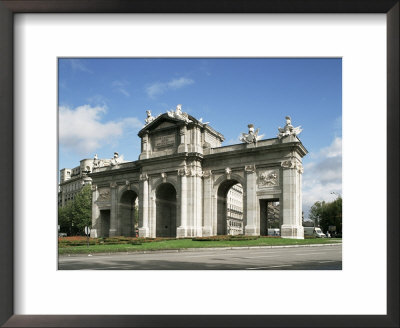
(225, 238)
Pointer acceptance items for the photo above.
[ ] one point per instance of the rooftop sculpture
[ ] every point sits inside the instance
(97, 163)
(288, 129)
(178, 114)
(252, 136)
(149, 118)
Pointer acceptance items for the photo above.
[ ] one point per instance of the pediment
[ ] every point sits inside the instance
(164, 125)
(161, 122)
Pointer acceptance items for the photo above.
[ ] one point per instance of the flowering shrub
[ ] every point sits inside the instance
(82, 240)
(225, 238)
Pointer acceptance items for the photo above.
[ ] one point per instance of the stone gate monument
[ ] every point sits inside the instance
(183, 175)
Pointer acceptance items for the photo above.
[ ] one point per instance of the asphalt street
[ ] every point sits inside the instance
(287, 258)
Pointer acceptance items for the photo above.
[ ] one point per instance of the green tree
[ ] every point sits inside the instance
(325, 214)
(76, 214)
(64, 218)
(82, 209)
(316, 212)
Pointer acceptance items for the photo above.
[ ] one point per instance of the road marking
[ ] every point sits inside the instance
(308, 253)
(201, 255)
(327, 261)
(268, 267)
(257, 257)
(113, 267)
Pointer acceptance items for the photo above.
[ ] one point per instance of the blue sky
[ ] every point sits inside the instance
(102, 104)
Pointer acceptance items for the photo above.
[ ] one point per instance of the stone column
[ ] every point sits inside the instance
(182, 148)
(291, 202)
(207, 203)
(145, 146)
(95, 229)
(181, 231)
(198, 199)
(144, 206)
(114, 210)
(252, 216)
(152, 214)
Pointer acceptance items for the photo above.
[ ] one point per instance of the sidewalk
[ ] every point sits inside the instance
(200, 249)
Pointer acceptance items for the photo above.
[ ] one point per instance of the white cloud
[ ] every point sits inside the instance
(78, 65)
(81, 130)
(120, 86)
(159, 88)
(323, 176)
(334, 150)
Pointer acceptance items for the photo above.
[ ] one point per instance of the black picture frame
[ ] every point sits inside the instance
(10, 7)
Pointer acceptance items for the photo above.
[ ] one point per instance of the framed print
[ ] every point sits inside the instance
(35, 34)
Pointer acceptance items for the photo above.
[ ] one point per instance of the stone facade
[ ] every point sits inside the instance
(234, 210)
(183, 176)
(72, 181)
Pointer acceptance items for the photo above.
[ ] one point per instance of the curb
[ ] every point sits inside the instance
(187, 250)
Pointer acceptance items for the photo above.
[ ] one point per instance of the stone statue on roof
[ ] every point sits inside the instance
(178, 114)
(149, 118)
(288, 129)
(116, 159)
(252, 136)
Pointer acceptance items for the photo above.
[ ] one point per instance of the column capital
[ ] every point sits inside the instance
(292, 164)
(183, 171)
(143, 177)
(249, 169)
(207, 174)
(113, 185)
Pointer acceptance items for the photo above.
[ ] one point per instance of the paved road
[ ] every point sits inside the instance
(296, 258)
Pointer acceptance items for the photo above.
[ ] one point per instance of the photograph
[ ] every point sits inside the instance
(169, 159)
(199, 163)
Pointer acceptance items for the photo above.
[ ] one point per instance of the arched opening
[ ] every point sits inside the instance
(166, 210)
(230, 208)
(128, 213)
(270, 222)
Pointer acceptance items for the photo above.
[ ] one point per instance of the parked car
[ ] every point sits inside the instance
(314, 232)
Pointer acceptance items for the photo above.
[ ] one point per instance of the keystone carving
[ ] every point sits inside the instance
(128, 184)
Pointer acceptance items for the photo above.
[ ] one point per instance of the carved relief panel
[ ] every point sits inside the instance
(268, 178)
(104, 195)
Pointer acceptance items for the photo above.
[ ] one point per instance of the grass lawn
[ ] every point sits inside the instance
(188, 243)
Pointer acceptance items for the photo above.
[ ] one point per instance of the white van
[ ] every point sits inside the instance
(314, 231)
(274, 232)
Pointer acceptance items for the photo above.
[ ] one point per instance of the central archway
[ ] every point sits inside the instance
(166, 210)
(230, 208)
(128, 213)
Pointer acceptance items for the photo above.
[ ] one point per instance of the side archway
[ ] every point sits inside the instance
(166, 210)
(230, 208)
(128, 213)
